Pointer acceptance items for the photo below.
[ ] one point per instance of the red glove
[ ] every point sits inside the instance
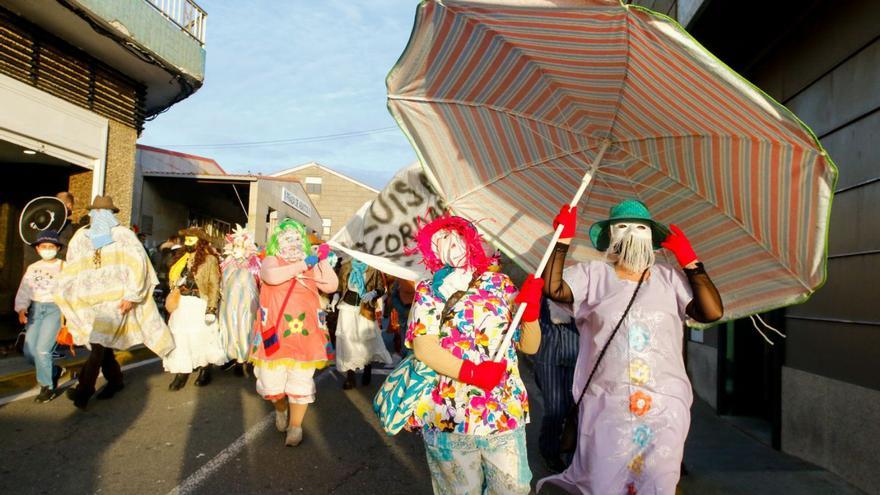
(680, 246)
(530, 294)
(486, 375)
(567, 217)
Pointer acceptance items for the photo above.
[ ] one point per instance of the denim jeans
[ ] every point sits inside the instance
(44, 321)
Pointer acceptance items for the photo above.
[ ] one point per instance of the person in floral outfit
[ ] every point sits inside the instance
(473, 423)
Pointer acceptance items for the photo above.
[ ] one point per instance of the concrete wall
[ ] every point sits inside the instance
(833, 424)
(827, 70)
(339, 199)
(266, 194)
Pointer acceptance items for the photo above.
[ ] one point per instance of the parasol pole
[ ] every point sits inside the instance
(585, 182)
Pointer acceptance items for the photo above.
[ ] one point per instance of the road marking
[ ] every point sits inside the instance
(36, 390)
(192, 482)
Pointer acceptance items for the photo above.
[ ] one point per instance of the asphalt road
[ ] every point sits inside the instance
(215, 439)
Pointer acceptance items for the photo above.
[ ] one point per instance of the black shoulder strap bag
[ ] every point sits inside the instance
(569, 438)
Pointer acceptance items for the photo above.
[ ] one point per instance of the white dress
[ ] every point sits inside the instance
(196, 343)
(358, 340)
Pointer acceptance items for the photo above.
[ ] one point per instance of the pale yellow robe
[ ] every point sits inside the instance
(89, 294)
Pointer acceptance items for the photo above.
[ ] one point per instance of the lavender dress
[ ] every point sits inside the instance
(636, 414)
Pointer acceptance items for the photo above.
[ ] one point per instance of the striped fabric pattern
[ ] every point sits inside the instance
(507, 103)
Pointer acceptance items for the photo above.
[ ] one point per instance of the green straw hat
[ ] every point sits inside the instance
(627, 210)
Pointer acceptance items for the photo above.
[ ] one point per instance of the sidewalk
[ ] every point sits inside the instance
(17, 375)
(721, 459)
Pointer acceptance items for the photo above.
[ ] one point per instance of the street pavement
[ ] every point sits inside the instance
(222, 439)
(215, 439)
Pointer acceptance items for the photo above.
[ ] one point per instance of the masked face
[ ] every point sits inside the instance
(238, 250)
(290, 245)
(47, 251)
(632, 244)
(190, 242)
(450, 248)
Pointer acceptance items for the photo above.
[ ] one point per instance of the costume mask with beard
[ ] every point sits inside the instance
(631, 245)
(290, 246)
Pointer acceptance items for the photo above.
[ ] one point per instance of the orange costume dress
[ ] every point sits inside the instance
(291, 339)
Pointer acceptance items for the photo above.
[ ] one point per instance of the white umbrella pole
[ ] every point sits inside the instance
(585, 182)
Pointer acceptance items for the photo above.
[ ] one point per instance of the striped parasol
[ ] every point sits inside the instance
(514, 106)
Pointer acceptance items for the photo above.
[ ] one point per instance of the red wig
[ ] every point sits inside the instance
(477, 260)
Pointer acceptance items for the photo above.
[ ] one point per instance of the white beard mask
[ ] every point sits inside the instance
(631, 246)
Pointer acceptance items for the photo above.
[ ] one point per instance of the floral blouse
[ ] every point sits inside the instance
(473, 332)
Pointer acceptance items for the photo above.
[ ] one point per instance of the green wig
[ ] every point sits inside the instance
(289, 224)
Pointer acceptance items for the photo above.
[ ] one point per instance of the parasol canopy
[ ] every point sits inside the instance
(512, 106)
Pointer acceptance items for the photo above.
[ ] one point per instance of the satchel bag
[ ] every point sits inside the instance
(568, 439)
(64, 337)
(408, 383)
(173, 300)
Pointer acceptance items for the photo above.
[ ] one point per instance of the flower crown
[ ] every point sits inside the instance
(242, 236)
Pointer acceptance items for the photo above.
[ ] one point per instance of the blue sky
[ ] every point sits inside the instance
(295, 69)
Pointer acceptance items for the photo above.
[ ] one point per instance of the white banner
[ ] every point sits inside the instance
(378, 233)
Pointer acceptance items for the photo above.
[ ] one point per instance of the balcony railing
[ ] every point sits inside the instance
(186, 14)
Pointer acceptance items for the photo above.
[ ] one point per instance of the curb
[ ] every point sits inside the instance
(24, 380)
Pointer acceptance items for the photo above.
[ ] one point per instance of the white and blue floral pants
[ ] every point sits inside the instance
(474, 465)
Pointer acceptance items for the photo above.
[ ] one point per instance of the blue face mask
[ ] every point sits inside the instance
(100, 227)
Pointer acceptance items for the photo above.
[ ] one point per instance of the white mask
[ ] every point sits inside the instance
(48, 254)
(632, 243)
(637, 229)
(290, 246)
(449, 248)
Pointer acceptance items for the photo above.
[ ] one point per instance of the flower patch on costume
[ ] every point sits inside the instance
(636, 465)
(639, 372)
(295, 325)
(639, 403)
(639, 338)
(642, 435)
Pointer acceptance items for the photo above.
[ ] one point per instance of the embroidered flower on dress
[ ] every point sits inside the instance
(636, 465)
(639, 372)
(639, 338)
(642, 435)
(639, 403)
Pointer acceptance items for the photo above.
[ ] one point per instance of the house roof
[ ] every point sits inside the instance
(322, 167)
(160, 161)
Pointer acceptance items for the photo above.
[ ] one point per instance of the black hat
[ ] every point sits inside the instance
(49, 236)
(39, 215)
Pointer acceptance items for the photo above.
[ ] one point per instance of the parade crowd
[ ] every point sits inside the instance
(605, 337)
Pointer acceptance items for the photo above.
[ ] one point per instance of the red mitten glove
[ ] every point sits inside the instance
(486, 375)
(680, 246)
(530, 295)
(567, 217)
